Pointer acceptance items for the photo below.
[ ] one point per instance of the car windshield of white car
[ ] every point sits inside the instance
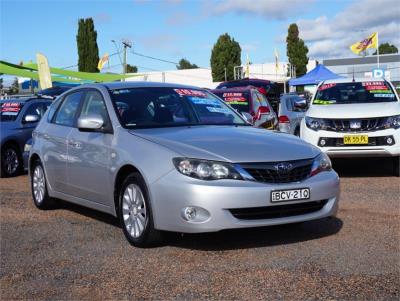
(354, 92)
(9, 110)
(168, 107)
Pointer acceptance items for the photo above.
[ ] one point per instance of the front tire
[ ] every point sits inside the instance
(135, 213)
(10, 161)
(40, 195)
(396, 166)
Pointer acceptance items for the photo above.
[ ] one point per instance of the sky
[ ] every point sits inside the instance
(176, 29)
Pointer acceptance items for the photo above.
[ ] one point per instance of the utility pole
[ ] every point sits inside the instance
(126, 44)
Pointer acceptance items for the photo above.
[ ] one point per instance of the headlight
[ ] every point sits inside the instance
(321, 163)
(392, 122)
(315, 123)
(27, 147)
(206, 170)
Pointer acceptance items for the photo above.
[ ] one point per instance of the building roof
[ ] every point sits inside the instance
(383, 58)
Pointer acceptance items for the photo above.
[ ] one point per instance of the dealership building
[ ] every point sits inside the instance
(389, 67)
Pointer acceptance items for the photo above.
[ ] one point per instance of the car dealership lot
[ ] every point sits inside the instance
(76, 253)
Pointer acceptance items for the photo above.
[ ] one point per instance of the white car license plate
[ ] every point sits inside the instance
(290, 195)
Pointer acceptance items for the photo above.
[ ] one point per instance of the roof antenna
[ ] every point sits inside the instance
(353, 75)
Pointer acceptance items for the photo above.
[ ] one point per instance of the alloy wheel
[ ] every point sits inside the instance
(134, 210)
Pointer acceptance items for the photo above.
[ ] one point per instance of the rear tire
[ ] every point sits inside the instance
(40, 196)
(11, 161)
(135, 213)
(297, 132)
(396, 166)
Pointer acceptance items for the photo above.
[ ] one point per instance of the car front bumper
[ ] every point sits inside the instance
(314, 137)
(213, 199)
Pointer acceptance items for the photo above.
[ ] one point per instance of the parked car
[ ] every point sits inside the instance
(269, 88)
(292, 109)
(177, 158)
(18, 118)
(53, 92)
(25, 154)
(249, 100)
(355, 117)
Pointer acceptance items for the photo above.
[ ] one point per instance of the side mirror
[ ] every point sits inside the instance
(90, 123)
(31, 118)
(247, 117)
(300, 104)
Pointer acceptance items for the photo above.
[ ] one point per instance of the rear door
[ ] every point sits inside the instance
(54, 149)
(89, 154)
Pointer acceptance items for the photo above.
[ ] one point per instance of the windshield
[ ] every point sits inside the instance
(354, 92)
(9, 111)
(166, 107)
(237, 100)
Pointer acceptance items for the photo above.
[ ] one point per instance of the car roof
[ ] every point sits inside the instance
(22, 99)
(350, 79)
(143, 84)
(234, 89)
(249, 79)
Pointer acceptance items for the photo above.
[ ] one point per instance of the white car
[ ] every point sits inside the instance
(355, 118)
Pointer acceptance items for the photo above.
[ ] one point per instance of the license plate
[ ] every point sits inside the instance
(355, 139)
(290, 195)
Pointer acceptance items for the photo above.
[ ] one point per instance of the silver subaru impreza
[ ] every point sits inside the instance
(166, 157)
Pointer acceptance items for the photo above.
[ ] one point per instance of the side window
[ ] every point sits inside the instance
(256, 101)
(66, 114)
(94, 105)
(38, 109)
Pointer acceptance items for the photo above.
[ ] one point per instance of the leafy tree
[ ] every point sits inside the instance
(185, 64)
(88, 51)
(131, 69)
(14, 89)
(386, 48)
(296, 50)
(226, 53)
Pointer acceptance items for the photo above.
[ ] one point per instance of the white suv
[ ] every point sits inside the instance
(355, 117)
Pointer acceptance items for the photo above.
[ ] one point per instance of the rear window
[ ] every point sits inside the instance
(266, 86)
(240, 101)
(354, 92)
(9, 111)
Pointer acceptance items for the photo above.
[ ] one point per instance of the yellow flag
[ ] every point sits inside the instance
(103, 61)
(370, 42)
(276, 60)
(247, 73)
(43, 71)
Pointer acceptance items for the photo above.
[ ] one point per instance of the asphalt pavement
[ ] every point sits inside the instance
(73, 253)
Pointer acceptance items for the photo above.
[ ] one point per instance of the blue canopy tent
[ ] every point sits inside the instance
(314, 77)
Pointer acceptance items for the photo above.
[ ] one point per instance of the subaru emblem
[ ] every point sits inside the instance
(283, 167)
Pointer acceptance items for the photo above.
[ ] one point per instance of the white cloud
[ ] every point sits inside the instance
(331, 36)
(272, 9)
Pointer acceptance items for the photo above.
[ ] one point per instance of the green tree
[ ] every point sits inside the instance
(14, 89)
(88, 51)
(225, 55)
(131, 69)
(296, 50)
(185, 64)
(386, 48)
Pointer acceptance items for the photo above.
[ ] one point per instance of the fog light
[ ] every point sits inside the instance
(389, 140)
(189, 213)
(322, 142)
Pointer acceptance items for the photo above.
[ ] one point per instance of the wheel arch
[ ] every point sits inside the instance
(122, 173)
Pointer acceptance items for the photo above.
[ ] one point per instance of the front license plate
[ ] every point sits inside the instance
(290, 195)
(355, 139)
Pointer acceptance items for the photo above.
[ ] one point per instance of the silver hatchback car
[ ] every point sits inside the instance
(292, 109)
(176, 158)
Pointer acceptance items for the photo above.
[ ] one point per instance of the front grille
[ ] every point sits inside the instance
(268, 172)
(344, 125)
(277, 211)
(372, 141)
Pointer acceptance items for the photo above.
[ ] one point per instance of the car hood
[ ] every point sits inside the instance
(230, 143)
(353, 110)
